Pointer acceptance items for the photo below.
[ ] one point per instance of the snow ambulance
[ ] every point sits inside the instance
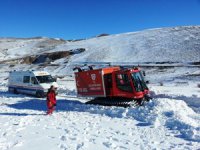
(34, 83)
(112, 86)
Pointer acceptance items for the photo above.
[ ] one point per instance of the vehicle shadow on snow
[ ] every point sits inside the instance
(10, 95)
(64, 105)
(39, 105)
(19, 114)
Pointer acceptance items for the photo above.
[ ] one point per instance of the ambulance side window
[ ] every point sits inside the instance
(26, 79)
(33, 80)
(123, 82)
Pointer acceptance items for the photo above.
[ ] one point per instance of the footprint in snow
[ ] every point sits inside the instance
(72, 138)
(63, 138)
(4, 133)
(17, 143)
(75, 134)
(107, 144)
(115, 139)
(67, 131)
(122, 147)
(63, 147)
(16, 124)
(92, 141)
(52, 137)
(79, 146)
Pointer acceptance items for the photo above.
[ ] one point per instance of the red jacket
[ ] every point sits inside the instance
(51, 98)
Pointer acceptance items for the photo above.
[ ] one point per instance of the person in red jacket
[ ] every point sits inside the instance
(51, 100)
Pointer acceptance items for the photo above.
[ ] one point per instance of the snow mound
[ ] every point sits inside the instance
(170, 113)
(173, 114)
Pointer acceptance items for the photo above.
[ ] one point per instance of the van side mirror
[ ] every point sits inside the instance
(35, 82)
(55, 79)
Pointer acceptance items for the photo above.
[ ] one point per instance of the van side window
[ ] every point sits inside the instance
(33, 80)
(26, 79)
(123, 82)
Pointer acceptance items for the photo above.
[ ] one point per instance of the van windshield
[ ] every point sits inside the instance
(138, 81)
(45, 79)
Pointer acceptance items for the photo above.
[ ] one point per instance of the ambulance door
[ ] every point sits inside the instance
(108, 84)
(26, 85)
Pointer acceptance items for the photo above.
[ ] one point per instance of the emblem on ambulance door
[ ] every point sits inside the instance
(93, 77)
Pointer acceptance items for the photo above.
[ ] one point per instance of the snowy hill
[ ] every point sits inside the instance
(179, 44)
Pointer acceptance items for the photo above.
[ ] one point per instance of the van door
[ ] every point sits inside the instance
(34, 85)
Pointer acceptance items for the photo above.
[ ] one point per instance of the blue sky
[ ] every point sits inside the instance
(74, 19)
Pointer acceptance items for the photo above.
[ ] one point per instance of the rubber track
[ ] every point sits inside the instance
(115, 102)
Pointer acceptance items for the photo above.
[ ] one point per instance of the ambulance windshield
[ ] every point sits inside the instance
(45, 79)
(138, 81)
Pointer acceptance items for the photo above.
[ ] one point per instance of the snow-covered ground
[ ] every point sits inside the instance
(167, 122)
(170, 121)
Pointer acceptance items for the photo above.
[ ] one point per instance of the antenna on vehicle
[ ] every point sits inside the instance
(90, 67)
(77, 68)
(109, 64)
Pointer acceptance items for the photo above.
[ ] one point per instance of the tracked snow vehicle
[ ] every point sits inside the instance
(112, 86)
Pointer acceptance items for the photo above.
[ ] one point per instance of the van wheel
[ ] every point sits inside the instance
(10, 90)
(39, 94)
(15, 91)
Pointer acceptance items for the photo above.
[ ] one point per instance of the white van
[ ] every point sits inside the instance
(34, 83)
